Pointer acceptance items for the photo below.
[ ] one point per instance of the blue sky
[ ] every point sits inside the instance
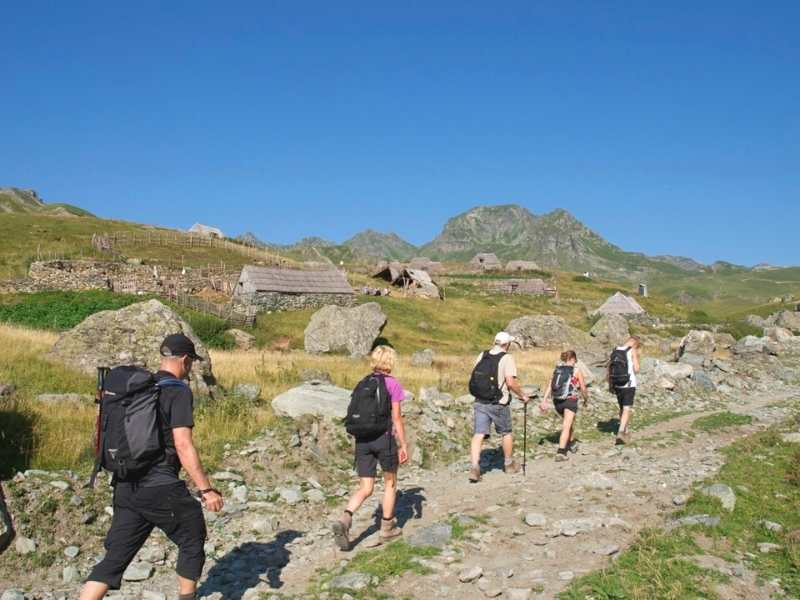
(668, 129)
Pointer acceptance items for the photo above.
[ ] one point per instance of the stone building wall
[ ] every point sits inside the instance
(264, 301)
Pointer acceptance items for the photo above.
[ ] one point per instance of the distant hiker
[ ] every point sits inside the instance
(622, 369)
(493, 380)
(145, 450)
(375, 421)
(565, 385)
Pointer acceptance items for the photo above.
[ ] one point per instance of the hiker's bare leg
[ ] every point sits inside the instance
(566, 429)
(624, 419)
(366, 486)
(475, 449)
(389, 494)
(186, 586)
(508, 446)
(93, 590)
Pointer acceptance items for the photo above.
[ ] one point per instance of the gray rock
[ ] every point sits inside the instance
(131, 335)
(698, 361)
(750, 345)
(722, 365)
(606, 549)
(242, 339)
(778, 334)
(788, 320)
(547, 331)
(723, 493)
(566, 575)
(470, 574)
(290, 495)
(438, 536)
(248, 391)
(7, 389)
(316, 400)
(596, 481)
(674, 371)
(611, 330)
(756, 321)
(422, 358)
(152, 595)
(338, 329)
(792, 438)
(680, 500)
(706, 520)
(138, 571)
(24, 545)
(6, 524)
(518, 593)
(535, 520)
(71, 551)
(12, 595)
(351, 581)
(240, 494)
(315, 496)
(703, 381)
(60, 485)
(698, 342)
(64, 398)
(772, 526)
(766, 547)
(153, 553)
(70, 574)
(724, 341)
(572, 527)
(227, 476)
(261, 524)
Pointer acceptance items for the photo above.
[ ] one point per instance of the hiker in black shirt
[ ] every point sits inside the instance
(159, 498)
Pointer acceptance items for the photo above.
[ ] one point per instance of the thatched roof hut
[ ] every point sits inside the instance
(486, 261)
(522, 265)
(426, 264)
(255, 279)
(620, 304)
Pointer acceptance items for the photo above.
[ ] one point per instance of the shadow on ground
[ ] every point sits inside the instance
(609, 426)
(247, 565)
(16, 439)
(409, 506)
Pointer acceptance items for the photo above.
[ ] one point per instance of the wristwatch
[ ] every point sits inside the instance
(201, 493)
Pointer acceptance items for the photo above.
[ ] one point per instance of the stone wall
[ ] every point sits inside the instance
(273, 301)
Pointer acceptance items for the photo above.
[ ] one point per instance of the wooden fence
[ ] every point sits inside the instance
(222, 311)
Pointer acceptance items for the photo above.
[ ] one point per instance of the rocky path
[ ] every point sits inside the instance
(533, 534)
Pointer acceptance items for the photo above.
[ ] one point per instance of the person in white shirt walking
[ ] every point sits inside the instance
(622, 370)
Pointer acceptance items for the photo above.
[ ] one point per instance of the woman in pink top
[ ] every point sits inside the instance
(388, 449)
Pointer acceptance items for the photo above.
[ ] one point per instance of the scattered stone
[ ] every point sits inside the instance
(24, 545)
(778, 334)
(131, 335)
(766, 548)
(792, 438)
(535, 520)
(566, 575)
(60, 485)
(572, 527)
(315, 496)
(471, 574)
(350, 581)
(227, 476)
(680, 500)
(706, 520)
(596, 481)
(518, 593)
(788, 320)
(723, 493)
(242, 339)
(772, 526)
(71, 551)
(674, 371)
(151, 595)
(153, 554)
(70, 574)
(422, 358)
(724, 341)
(290, 495)
(438, 536)
(7, 389)
(262, 524)
(698, 342)
(606, 550)
(665, 383)
(240, 494)
(750, 345)
(320, 400)
(12, 595)
(138, 571)
(248, 391)
(703, 381)
(339, 329)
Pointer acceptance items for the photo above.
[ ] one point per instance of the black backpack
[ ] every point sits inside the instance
(483, 381)
(369, 414)
(130, 431)
(618, 368)
(561, 386)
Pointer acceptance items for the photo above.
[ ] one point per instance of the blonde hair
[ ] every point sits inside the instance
(383, 359)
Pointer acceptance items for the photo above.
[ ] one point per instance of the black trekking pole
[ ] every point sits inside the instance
(524, 438)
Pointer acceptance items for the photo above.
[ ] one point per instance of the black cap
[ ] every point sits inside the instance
(178, 344)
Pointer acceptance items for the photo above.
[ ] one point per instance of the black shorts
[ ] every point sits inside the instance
(382, 450)
(137, 510)
(625, 396)
(569, 404)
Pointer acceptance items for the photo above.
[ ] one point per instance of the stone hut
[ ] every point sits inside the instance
(425, 264)
(620, 304)
(522, 265)
(486, 262)
(269, 288)
(207, 230)
(413, 282)
(534, 287)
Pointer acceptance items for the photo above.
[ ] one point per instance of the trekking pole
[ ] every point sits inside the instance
(524, 438)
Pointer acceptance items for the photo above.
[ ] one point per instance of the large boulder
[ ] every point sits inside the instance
(242, 339)
(698, 342)
(611, 330)
(788, 320)
(757, 321)
(130, 336)
(724, 341)
(339, 329)
(318, 400)
(778, 334)
(547, 331)
(673, 371)
(756, 345)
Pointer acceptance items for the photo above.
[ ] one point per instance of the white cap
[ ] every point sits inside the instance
(503, 338)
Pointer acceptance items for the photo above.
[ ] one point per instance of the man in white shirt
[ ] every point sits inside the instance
(492, 383)
(627, 392)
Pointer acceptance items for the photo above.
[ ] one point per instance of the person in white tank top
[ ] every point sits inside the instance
(626, 393)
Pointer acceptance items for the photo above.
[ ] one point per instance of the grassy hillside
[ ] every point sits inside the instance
(27, 236)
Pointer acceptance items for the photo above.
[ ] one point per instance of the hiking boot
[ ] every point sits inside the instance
(389, 530)
(620, 441)
(573, 447)
(561, 456)
(474, 474)
(341, 535)
(512, 468)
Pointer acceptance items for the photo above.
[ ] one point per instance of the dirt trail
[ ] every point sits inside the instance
(591, 506)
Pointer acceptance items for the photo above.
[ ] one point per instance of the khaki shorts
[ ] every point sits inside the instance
(486, 414)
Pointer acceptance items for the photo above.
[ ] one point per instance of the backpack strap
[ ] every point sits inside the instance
(171, 382)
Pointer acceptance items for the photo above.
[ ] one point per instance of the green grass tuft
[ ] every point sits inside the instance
(721, 420)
